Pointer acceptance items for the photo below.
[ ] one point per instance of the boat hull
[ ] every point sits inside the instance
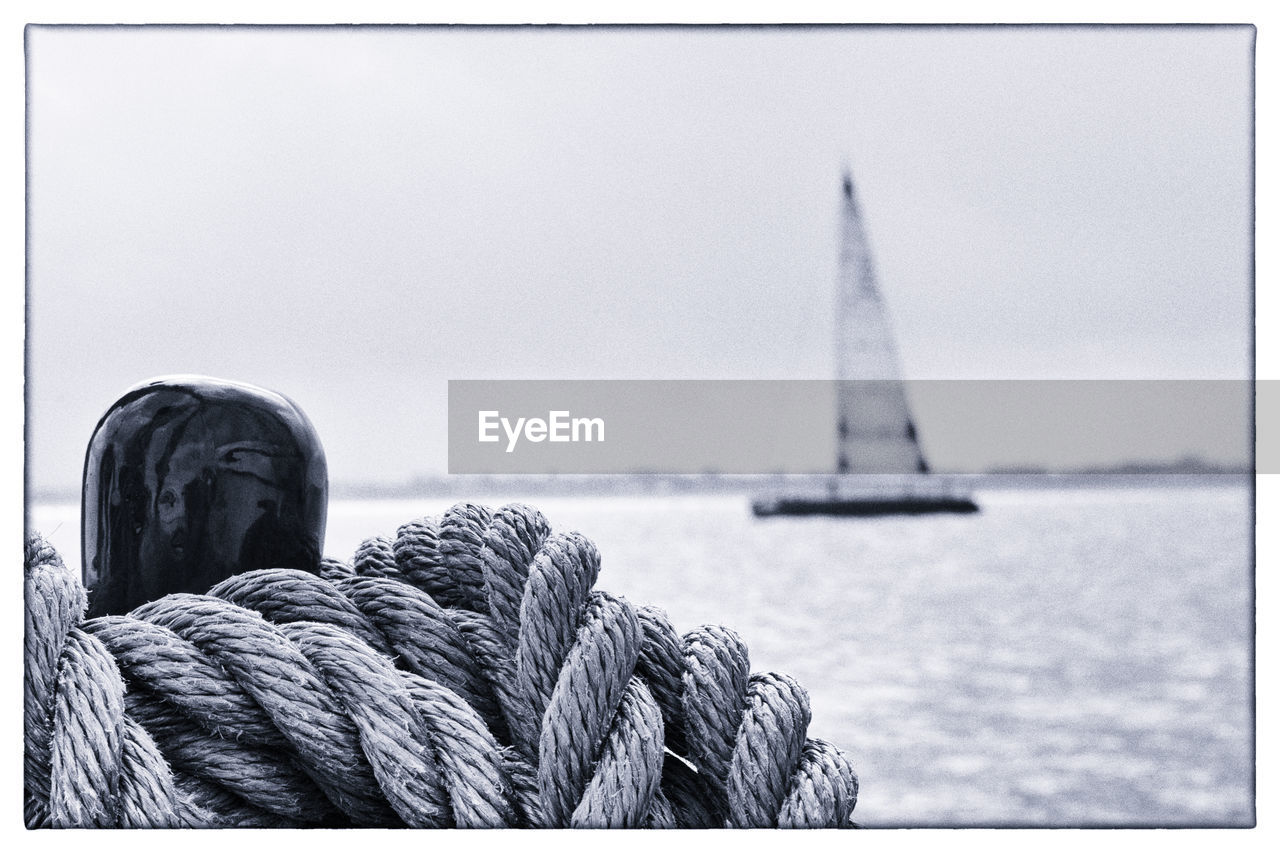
(864, 506)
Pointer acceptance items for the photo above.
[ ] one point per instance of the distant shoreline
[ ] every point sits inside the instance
(477, 485)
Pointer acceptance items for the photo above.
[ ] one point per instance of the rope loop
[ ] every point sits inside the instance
(466, 672)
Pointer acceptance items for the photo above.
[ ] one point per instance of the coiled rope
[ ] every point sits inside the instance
(467, 673)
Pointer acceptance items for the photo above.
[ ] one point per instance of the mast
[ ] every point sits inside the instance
(875, 432)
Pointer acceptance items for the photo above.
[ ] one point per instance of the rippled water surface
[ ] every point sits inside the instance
(1068, 657)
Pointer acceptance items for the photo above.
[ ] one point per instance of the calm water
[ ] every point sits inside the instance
(1066, 657)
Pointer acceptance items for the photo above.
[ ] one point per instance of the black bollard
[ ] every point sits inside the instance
(189, 480)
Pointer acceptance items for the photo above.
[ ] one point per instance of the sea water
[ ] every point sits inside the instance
(1072, 657)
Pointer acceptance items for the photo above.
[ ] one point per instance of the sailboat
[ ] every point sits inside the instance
(880, 468)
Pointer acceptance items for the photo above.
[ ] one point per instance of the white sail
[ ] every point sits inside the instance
(875, 433)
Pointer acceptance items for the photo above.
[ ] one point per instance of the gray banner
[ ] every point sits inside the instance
(814, 426)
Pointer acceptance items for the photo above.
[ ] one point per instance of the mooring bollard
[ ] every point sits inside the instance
(189, 480)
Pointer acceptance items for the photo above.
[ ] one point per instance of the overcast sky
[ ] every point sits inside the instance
(352, 217)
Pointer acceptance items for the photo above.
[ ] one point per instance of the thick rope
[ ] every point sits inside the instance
(465, 673)
(285, 684)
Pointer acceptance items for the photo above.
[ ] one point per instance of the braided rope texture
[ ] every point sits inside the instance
(466, 673)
